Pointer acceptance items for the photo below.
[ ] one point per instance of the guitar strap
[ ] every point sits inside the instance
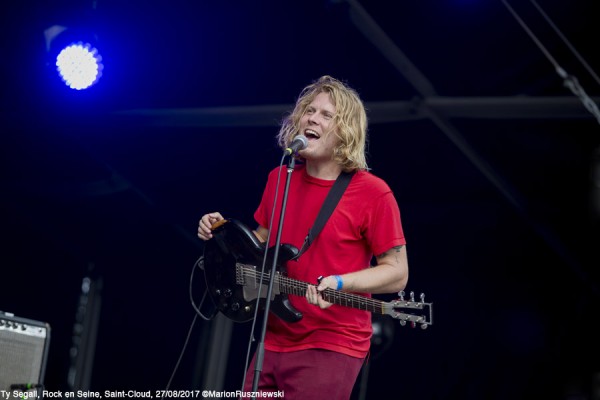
(331, 201)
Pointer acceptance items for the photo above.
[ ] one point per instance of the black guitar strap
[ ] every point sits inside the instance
(331, 201)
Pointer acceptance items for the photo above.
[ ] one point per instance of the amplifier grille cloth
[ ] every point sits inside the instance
(21, 357)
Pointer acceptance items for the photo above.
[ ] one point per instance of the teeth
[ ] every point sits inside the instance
(310, 132)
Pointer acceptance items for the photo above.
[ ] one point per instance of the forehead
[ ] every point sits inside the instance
(323, 101)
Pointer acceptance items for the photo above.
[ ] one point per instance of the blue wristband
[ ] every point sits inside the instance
(340, 282)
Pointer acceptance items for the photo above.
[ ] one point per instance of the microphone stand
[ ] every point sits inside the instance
(260, 350)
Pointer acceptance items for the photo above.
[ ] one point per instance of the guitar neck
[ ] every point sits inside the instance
(298, 288)
(351, 300)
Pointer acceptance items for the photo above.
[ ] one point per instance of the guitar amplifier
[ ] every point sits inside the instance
(23, 352)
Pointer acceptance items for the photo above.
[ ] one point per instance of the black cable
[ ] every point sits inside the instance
(187, 340)
(198, 263)
(189, 334)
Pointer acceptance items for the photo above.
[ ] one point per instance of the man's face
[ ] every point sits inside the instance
(317, 124)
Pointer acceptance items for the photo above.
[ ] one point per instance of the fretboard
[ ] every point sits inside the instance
(298, 288)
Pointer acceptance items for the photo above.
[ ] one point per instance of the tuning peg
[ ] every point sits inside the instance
(412, 296)
(422, 297)
(402, 322)
(401, 295)
(424, 326)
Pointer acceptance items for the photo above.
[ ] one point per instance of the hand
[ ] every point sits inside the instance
(313, 293)
(206, 223)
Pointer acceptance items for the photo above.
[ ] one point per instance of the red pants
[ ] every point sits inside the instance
(306, 374)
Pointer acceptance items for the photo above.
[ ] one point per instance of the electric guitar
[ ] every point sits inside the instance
(232, 262)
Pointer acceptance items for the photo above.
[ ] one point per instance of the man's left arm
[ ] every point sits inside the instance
(389, 275)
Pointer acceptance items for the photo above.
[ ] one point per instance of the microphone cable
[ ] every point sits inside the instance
(198, 312)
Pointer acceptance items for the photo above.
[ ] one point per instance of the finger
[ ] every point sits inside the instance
(209, 220)
(206, 223)
(203, 232)
(324, 284)
(322, 303)
(205, 228)
(202, 235)
(311, 294)
(214, 217)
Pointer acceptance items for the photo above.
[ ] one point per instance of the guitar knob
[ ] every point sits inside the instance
(228, 292)
(235, 306)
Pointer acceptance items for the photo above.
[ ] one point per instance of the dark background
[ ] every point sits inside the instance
(494, 162)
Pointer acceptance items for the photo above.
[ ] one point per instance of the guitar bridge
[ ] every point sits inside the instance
(239, 273)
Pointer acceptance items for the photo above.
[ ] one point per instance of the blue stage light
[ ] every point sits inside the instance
(79, 65)
(74, 54)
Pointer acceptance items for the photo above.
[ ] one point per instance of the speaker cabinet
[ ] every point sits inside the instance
(23, 352)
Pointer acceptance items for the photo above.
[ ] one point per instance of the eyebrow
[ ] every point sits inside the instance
(324, 111)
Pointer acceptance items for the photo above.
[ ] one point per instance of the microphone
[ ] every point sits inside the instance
(300, 142)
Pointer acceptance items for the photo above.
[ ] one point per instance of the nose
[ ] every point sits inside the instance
(312, 118)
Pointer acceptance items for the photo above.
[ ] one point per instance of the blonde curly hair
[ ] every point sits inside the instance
(350, 121)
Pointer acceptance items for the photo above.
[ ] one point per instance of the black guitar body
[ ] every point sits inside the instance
(234, 243)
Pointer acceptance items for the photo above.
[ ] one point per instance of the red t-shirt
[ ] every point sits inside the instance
(365, 222)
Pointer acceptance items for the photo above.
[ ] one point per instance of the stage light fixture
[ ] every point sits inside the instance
(74, 55)
(79, 65)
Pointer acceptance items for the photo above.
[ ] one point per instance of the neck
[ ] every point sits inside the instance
(326, 171)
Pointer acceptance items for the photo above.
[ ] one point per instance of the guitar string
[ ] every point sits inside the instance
(299, 288)
(376, 306)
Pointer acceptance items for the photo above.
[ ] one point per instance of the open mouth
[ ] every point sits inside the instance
(311, 135)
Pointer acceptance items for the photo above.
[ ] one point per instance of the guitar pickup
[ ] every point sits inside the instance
(249, 278)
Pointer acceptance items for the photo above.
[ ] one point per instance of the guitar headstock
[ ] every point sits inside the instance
(407, 310)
